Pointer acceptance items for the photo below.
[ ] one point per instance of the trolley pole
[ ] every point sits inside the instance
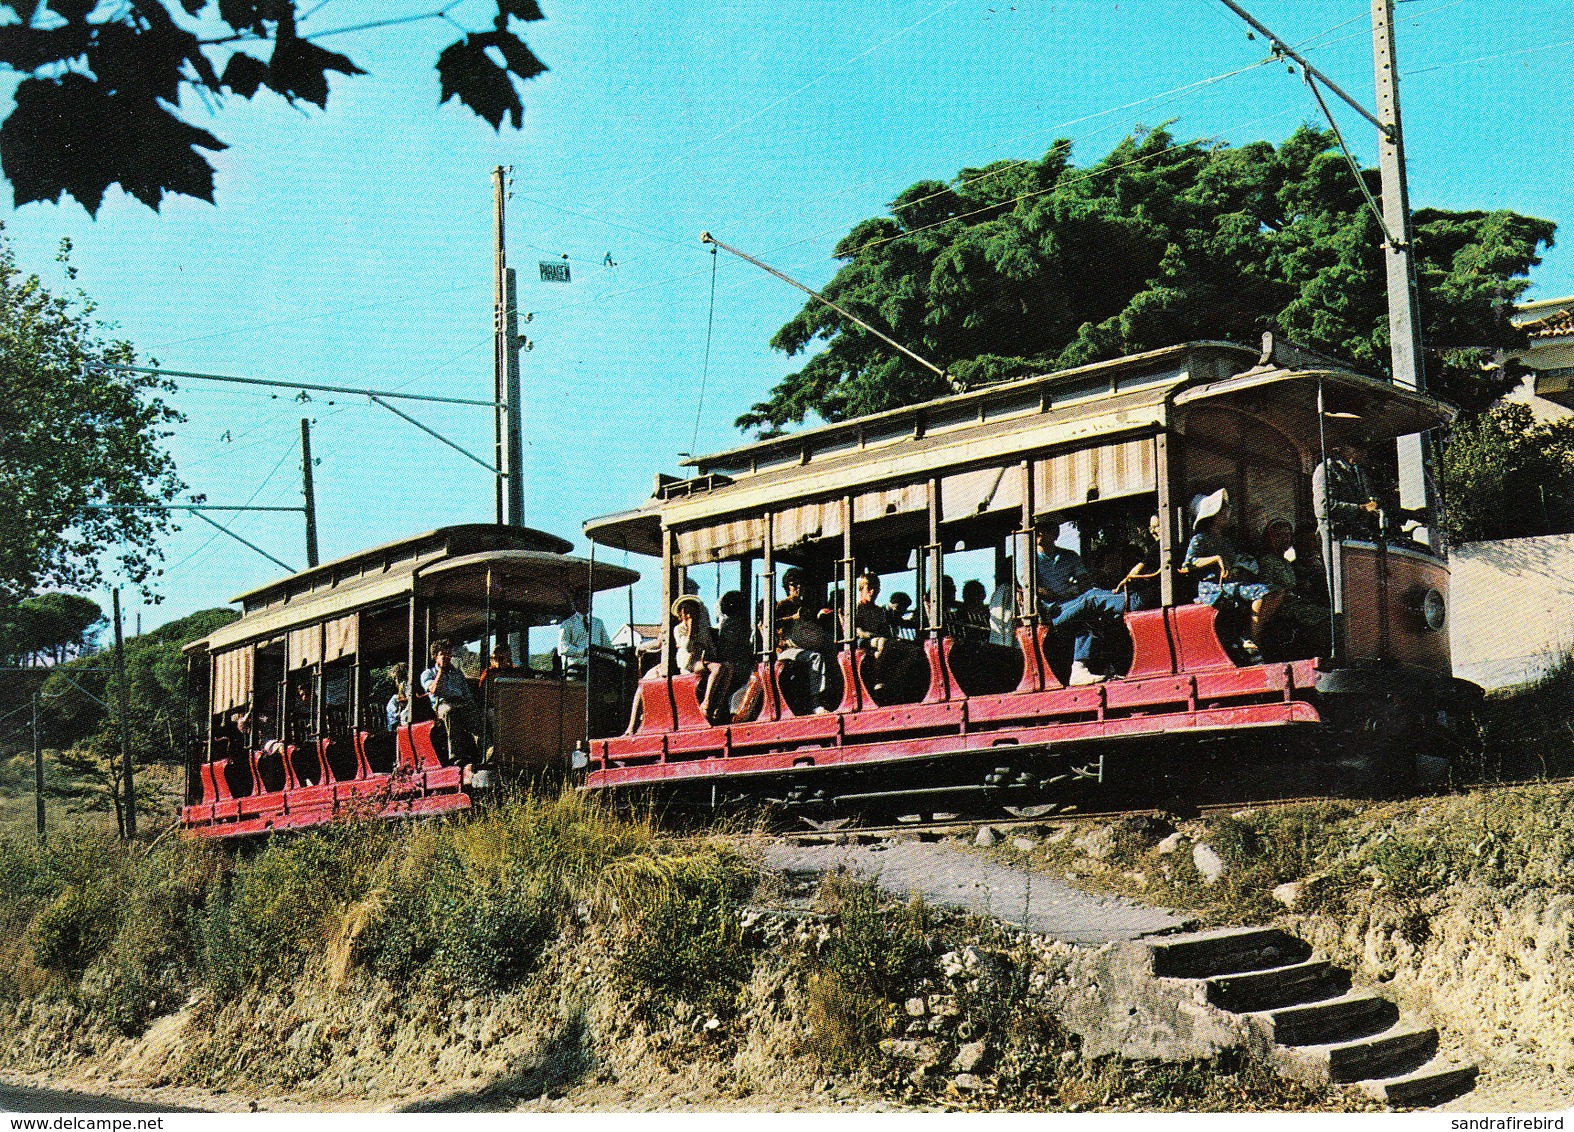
(125, 731)
(506, 417)
(38, 772)
(307, 490)
(1404, 322)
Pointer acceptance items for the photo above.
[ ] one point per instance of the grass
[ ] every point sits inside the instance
(467, 906)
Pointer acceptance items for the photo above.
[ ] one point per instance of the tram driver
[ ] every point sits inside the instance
(578, 634)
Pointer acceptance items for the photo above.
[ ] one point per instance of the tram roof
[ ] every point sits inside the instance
(1072, 407)
(532, 561)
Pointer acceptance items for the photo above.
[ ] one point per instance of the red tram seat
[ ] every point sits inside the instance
(1194, 631)
(1152, 652)
(214, 788)
(379, 751)
(269, 769)
(416, 749)
(982, 669)
(237, 775)
(306, 763)
(686, 703)
(657, 712)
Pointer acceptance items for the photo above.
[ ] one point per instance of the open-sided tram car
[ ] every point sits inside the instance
(1101, 447)
(295, 732)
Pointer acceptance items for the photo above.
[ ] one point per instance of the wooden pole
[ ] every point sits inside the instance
(123, 706)
(308, 490)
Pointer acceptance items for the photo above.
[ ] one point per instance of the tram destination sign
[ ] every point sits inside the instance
(555, 273)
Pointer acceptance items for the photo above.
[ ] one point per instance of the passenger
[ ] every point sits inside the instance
(578, 634)
(972, 616)
(397, 711)
(902, 620)
(734, 653)
(502, 662)
(1142, 581)
(1003, 614)
(1060, 570)
(1210, 550)
(452, 701)
(1345, 497)
(302, 713)
(1095, 614)
(803, 647)
(890, 657)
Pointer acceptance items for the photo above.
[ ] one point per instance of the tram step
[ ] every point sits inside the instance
(1432, 1084)
(1228, 951)
(1343, 1019)
(1274, 987)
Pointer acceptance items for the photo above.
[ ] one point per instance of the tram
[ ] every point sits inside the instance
(296, 731)
(1095, 452)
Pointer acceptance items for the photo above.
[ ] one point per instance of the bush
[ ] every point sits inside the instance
(76, 926)
(845, 1025)
(875, 948)
(682, 940)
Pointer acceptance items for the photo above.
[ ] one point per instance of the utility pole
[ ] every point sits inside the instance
(125, 732)
(38, 771)
(309, 492)
(1404, 322)
(507, 416)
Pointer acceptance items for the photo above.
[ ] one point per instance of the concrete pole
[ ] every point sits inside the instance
(1404, 322)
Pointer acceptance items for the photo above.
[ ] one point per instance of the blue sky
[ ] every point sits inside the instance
(352, 246)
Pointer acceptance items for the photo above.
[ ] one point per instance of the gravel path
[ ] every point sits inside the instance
(943, 873)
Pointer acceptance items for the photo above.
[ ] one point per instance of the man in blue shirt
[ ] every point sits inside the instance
(1060, 571)
(452, 701)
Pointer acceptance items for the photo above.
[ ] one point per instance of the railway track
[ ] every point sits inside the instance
(962, 824)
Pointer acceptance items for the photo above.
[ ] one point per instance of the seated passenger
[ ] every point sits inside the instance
(1096, 614)
(454, 704)
(972, 616)
(890, 657)
(1142, 580)
(397, 711)
(902, 620)
(803, 648)
(1211, 551)
(502, 662)
(1303, 615)
(1060, 570)
(734, 653)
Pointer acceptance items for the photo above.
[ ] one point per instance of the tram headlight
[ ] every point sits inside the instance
(1431, 611)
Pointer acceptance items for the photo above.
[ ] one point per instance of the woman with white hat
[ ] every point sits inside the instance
(1210, 550)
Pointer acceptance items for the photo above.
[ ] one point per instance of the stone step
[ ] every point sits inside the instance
(1393, 1052)
(1201, 955)
(1334, 1020)
(1432, 1084)
(1277, 986)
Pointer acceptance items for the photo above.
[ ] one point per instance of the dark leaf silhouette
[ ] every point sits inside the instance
(98, 100)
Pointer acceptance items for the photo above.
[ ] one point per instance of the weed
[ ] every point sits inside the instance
(844, 1025)
(875, 948)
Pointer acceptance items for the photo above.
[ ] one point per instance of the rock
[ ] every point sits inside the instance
(1170, 843)
(972, 1056)
(943, 1006)
(986, 837)
(919, 1075)
(1137, 878)
(1098, 843)
(1024, 844)
(917, 1008)
(1068, 1056)
(964, 1083)
(911, 1049)
(1148, 829)
(1288, 894)
(951, 965)
(1060, 834)
(1208, 862)
(713, 1023)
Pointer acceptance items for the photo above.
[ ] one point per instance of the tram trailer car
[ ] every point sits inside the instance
(1372, 706)
(294, 732)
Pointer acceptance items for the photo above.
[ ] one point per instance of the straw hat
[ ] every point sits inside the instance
(689, 599)
(1207, 506)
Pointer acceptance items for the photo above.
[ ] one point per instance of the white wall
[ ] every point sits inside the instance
(1511, 608)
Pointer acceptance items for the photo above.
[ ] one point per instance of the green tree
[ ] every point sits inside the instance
(98, 102)
(1027, 267)
(80, 451)
(49, 628)
(1505, 476)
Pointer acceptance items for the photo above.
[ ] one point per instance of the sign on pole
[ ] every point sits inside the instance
(555, 273)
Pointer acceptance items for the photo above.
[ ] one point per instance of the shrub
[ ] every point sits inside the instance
(76, 926)
(844, 1025)
(875, 948)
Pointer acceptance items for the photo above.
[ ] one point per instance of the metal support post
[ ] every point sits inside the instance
(38, 772)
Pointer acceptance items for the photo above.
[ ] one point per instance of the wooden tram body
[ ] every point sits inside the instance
(303, 661)
(901, 490)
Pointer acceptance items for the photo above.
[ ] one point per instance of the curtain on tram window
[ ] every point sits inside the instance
(981, 491)
(806, 522)
(728, 539)
(1110, 471)
(231, 679)
(305, 647)
(339, 638)
(891, 501)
